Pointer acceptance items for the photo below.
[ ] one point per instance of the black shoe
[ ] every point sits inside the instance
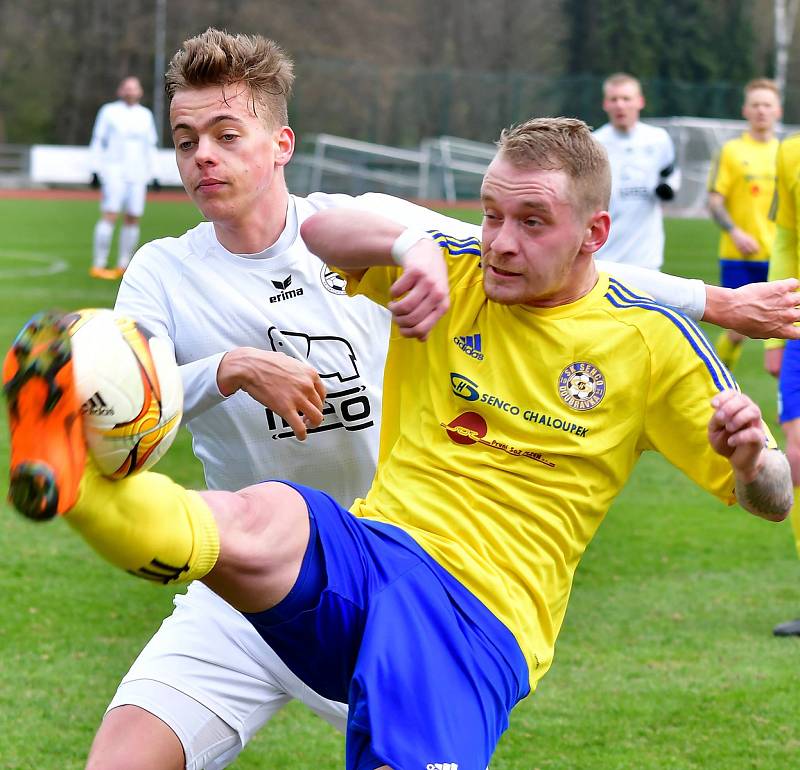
(790, 628)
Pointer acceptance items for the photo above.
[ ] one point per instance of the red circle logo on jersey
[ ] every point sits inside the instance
(467, 428)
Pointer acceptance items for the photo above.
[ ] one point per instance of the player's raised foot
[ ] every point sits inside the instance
(48, 448)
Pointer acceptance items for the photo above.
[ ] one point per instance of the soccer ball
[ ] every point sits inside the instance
(130, 390)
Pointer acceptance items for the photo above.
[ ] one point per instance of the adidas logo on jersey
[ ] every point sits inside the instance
(97, 407)
(441, 766)
(285, 291)
(471, 345)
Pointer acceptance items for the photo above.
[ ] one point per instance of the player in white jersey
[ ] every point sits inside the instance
(643, 173)
(234, 295)
(122, 151)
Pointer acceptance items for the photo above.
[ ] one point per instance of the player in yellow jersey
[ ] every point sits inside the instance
(741, 187)
(434, 606)
(780, 360)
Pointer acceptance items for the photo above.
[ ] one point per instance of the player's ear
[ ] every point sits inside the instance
(283, 140)
(596, 232)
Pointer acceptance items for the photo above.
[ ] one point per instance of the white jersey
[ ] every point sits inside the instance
(640, 160)
(124, 142)
(208, 301)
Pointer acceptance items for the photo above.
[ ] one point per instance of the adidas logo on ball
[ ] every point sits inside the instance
(96, 407)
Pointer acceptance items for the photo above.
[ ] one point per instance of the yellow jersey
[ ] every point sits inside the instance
(785, 206)
(744, 174)
(508, 433)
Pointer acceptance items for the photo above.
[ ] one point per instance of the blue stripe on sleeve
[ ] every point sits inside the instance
(457, 246)
(622, 297)
(627, 292)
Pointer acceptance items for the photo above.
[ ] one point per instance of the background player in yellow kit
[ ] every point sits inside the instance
(434, 606)
(741, 187)
(785, 361)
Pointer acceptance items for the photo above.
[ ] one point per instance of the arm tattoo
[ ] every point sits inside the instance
(720, 214)
(769, 495)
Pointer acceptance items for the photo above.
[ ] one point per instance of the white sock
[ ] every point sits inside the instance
(103, 233)
(128, 240)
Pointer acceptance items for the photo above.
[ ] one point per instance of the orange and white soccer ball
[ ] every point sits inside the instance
(130, 389)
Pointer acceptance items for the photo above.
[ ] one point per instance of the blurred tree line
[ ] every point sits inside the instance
(399, 71)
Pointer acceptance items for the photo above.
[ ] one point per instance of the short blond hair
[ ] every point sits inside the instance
(562, 144)
(620, 78)
(758, 83)
(216, 58)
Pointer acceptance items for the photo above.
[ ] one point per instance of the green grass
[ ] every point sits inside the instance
(665, 660)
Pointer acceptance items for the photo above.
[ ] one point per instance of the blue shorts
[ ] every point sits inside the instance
(789, 383)
(430, 674)
(734, 273)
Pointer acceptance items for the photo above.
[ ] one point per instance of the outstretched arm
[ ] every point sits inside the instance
(757, 310)
(763, 479)
(355, 241)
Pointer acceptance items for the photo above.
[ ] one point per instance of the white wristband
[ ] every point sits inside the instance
(404, 242)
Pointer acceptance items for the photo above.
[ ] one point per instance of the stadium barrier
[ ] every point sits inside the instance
(48, 164)
(445, 168)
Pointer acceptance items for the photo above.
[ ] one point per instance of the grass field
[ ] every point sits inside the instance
(666, 659)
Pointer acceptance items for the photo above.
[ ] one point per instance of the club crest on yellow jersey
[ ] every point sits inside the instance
(581, 386)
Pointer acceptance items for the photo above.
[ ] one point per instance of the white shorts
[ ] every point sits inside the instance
(211, 655)
(120, 195)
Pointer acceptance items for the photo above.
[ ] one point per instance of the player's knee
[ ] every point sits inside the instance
(131, 738)
(262, 517)
(264, 531)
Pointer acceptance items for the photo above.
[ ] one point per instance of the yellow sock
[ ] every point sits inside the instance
(728, 350)
(795, 516)
(147, 525)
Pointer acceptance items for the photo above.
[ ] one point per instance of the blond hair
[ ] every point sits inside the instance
(216, 58)
(620, 78)
(758, 83)
(562, 144)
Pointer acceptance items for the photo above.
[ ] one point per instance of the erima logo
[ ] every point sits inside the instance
(441, 766)
(471, 345)
(97, 407)
(285, 291)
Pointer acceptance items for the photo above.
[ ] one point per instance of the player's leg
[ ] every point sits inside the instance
(206, 677)
(129, 234)
(789, 416)
(247, 546)
(101, 244)
(733, 274)
(436, 692)
(729, 347)
(111, 203)
(131, 738)
(432, 692)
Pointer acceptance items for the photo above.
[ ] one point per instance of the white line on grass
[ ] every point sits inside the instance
(43, 264)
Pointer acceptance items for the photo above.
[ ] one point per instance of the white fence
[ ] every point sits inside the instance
(445, 168)
(43, 164)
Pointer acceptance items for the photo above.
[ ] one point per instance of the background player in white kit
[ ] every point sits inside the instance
(234, 295)
(643, 173)
(123, 147)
